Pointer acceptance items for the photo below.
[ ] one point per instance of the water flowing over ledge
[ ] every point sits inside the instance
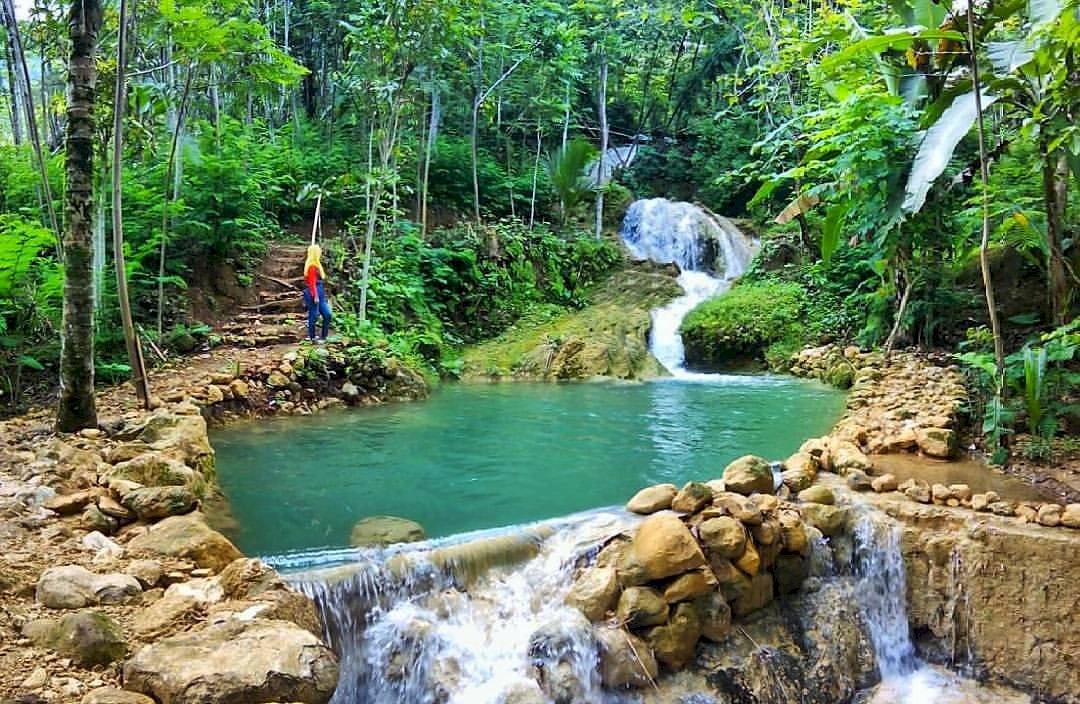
(710, 251)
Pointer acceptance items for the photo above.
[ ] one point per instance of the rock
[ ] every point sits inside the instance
(350, 392)
(111, 507)
(749, 474)
(767, 533)
(89, 638)
(102, 546)
(112, 695)
(916, 489)
(36, 679)
(936, 442)
(803, 462)
(796, 480)
(793, 533)
(552, 649)
(1071, 516)
(750, 561)
(148, 572)
(74, 587)
(693, 497)
(70, 504)
(154, 502)
(239, 388)
(675, 643)
(900, 441)
(759, 594)
(688, 586)
(94, 520)
(180, 606)
(640, 607)
(857, 480)
(739, 507)
(214, 395)
(277, 380)
(652, 499)
(595, 592)
(723, 536)
(979, 502)
(940, 493)
(153, 469)
(626, 661)
(664, 547)
(960, 491)
(846, 456)
(830, 520)
(1002, 508)
(731, 581)
(818, 494)
(187, 537)
(790, 572)
(236, 661)
(385, 530)
(884, 483)
(715, 616)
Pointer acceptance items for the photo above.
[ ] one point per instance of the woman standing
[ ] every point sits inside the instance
(314, 295)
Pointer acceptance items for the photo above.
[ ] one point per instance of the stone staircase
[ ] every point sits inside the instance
(277, 315)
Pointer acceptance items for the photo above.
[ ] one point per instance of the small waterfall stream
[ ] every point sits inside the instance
(710, 251)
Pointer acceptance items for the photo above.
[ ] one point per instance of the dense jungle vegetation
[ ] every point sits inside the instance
(911, 167)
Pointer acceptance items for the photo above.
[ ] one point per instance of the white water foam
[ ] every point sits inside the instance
(710, 253)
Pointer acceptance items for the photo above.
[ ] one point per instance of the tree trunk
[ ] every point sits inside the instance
(13, 92)
(177, 131)
(432, 135)
(138, 371)
(475, 156)
(984, 245)
(566, 118)
(603, 145)
(536, 173)
(77, 409)
(1055, 170)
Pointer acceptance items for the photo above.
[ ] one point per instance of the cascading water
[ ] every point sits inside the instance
(407, 630)
(709, 251)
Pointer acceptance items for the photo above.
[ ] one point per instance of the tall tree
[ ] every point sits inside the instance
(77, 408)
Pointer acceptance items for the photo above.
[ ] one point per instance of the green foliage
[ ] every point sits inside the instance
(743, 323)
(566, 172)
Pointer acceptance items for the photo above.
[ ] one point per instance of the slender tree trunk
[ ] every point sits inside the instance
(475, 156)
(984, 171)
(177, 131)
(1055, 170)
(77, 408)
(536, 173)
(566, 118)
(13, 91)
(372, 196)
(432, 136)
(603, 145)
(138, 371)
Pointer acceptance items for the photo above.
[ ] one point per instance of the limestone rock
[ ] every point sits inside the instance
(749, 474)
(640, 607)
(960, 491)
(277, 380)
(1002, 508)
(74, 587)
(846, 456)
(723, 536)
(830, 520)
(652, 499)
(70, 504)
(818, 494)
(940, 493)
(750, 561)
(884, 483)
(187, 537)
(595, 592)
(89, 638)
(793, 533)
(385, 530)
(857, 480)
(803, 462)
(239, 388)
(153, 469)
(796, 479)
(917, 490)
(731, 581)
(689, 586)
(715, 616)
(148, 572)
(693, 497)
(626, 661)
(236, 661)
(154, 502)
(1071, 516)
(112, 695)
(979, 502)
(739, 507)
(759, 594)
(664, 547)
(36, 679)
(675, 643)
(111, 507)
(936, 442)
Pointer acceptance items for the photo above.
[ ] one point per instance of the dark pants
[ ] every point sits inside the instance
(314, 311)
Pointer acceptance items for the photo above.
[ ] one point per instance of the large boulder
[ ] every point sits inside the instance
(182, 436)
(153, 469)
(187, 537)
(675, 642)
(153, 502)
(830, 520)
(740, 507)
(749, 474)
(936, 442)
(724, 536)
(112, 695)
(689, 586)
(715, 616)
(379, 531)
(664, 547)
(626, 661)
(846, 456)
(236, 661)
(595, 592)
(89, 638)
(75, 587)
(693, 497)
(652, 499)
(818, 494)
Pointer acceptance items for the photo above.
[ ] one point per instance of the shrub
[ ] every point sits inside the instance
(740, 325)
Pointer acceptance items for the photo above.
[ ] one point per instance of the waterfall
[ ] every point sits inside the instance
(709, 250)
(882, 590)
(407, 630)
